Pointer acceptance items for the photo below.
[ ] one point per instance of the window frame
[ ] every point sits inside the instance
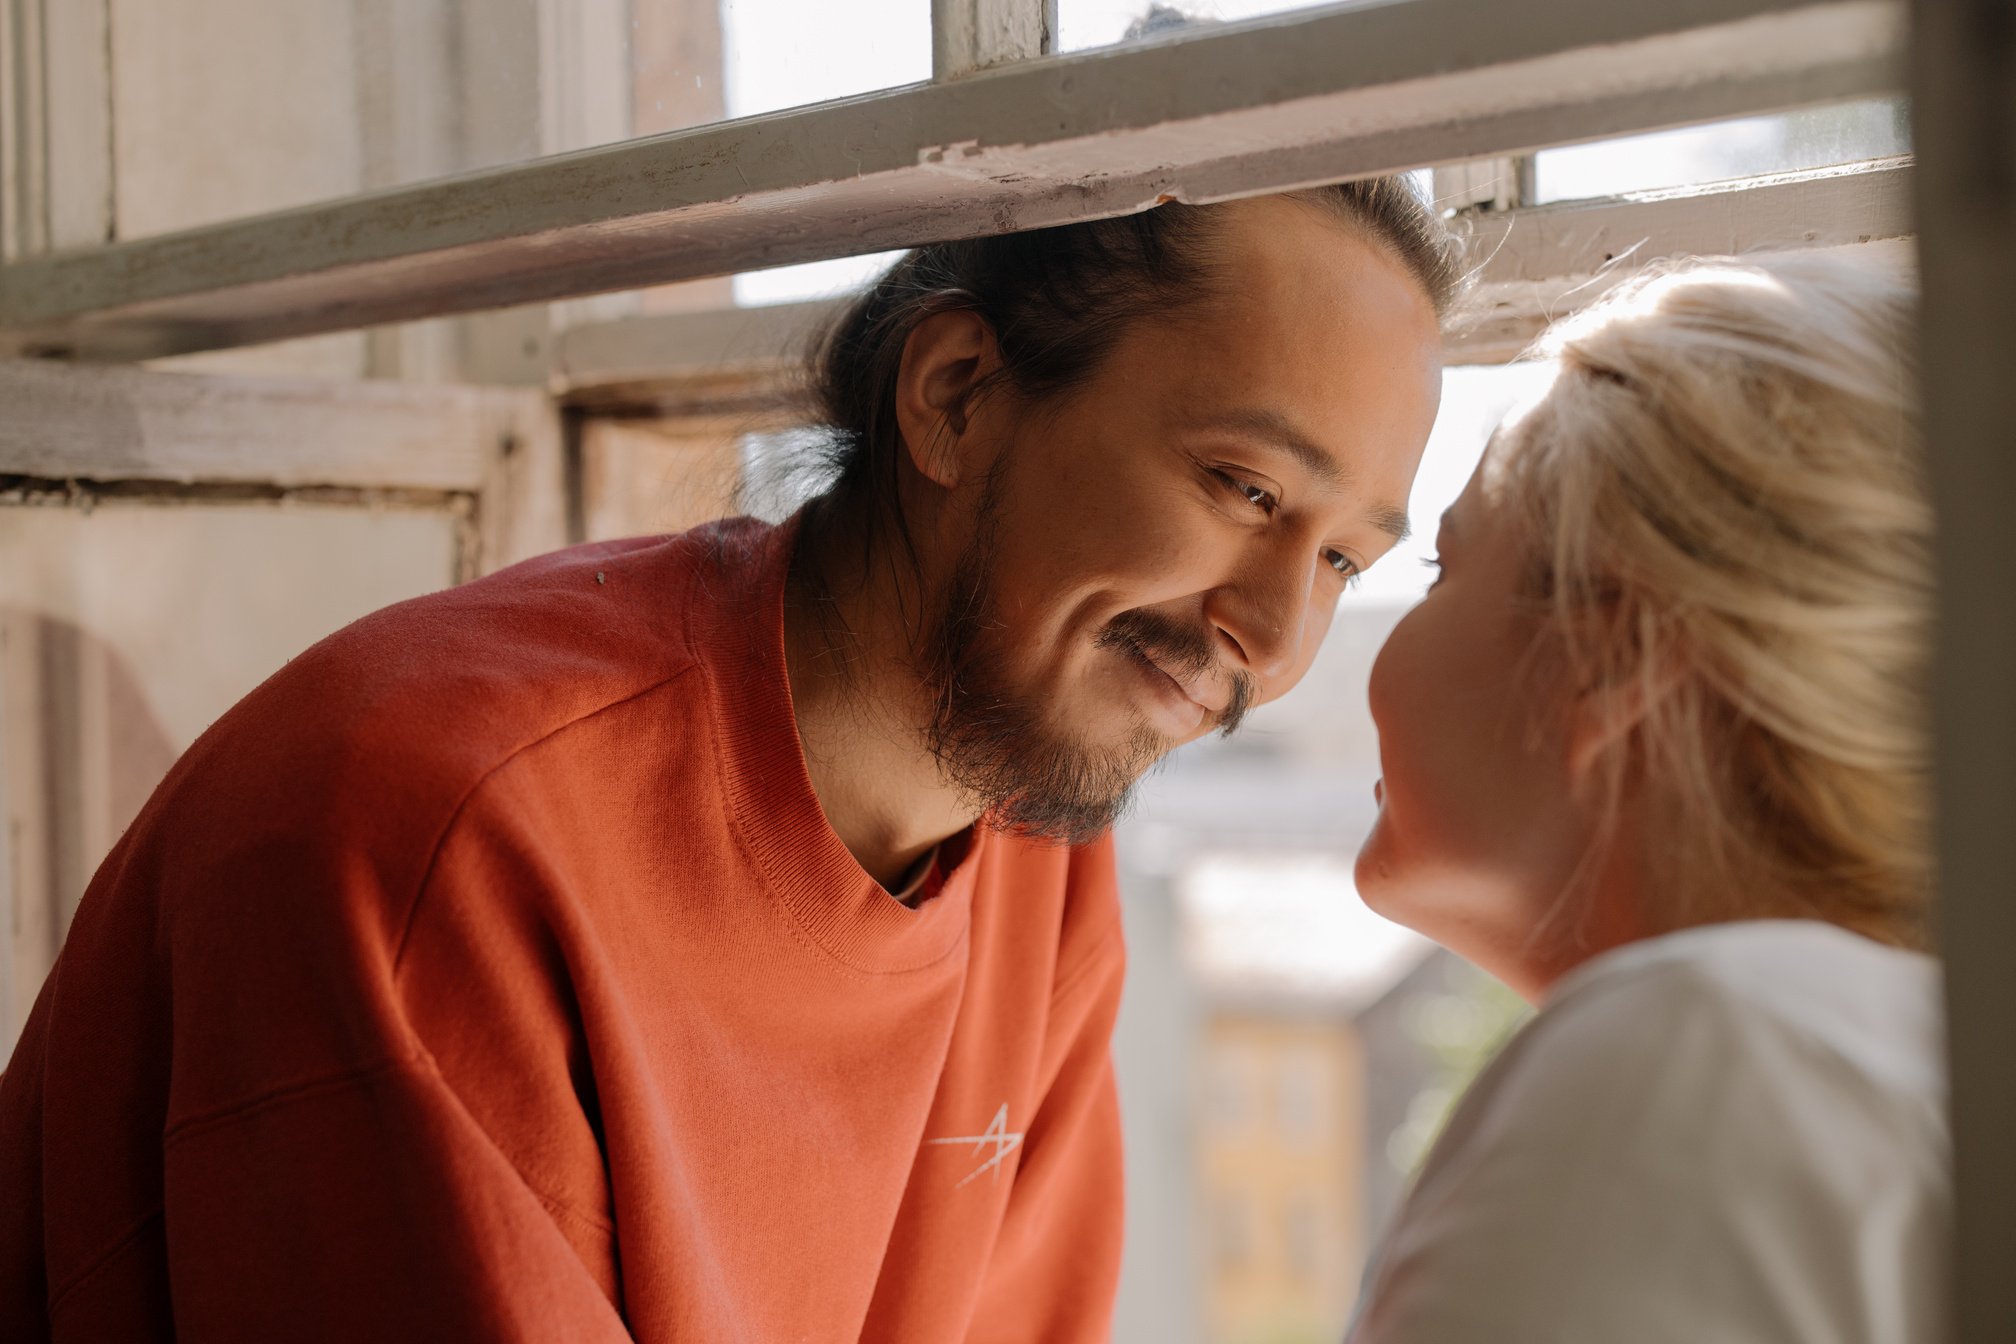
(1233, 110)
(1964, 104)
(1290, 100)
(493, 456)
(1535, 264)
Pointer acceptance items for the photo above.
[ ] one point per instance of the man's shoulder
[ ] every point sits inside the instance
(474, 670)
(404, 711)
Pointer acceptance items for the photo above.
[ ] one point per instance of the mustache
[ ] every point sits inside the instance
(1182, 649)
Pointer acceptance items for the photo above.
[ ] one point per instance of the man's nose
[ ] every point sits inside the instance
(1264, 609)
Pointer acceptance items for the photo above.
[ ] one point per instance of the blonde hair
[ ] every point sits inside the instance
(1732, 540)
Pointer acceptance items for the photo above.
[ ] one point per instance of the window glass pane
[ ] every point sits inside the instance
(1229, 1090)
(1814, 137)
(813, 280)
(1232, 1232)
(787, 53)
(225, 108)
(1302, 1237)
(1099, 23)
(1299, 1083)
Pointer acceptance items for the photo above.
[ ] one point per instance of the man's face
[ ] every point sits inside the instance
(1142, 560)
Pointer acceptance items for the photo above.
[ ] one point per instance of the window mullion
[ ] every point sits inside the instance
(968, 36)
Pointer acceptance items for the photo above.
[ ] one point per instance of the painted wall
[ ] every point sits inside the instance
(125, 631)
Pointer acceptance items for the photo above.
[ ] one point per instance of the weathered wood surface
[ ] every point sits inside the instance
(968, 36)
(1533, 265)
(1228, 111)
(101, 423)
(1964, 109)
(56, 146)
(1543, 262)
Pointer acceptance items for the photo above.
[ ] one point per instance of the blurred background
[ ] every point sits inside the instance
(1285, 1056)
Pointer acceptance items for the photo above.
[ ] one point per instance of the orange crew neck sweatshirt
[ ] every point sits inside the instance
(491, 973)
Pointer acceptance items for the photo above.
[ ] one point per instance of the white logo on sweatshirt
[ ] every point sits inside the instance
(998, 1135)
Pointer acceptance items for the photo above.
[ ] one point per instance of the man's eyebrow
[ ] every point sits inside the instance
(1262, 423)
(1392, 521)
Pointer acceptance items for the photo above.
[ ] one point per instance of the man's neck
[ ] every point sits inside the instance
(861, 713)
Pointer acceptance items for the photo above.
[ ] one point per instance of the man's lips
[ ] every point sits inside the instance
(1193, 688)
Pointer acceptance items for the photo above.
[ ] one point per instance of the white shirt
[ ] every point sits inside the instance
(1727, 1135)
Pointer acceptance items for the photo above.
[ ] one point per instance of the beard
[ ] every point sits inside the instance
(992, 741)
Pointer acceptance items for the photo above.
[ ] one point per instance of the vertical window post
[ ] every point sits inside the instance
(56, 187)
(1964, 108)
(973, 35)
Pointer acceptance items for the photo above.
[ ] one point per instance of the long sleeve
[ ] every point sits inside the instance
(366, 1206)
(1056, 1267)
(311, 1171)
(493, 973)
(438, 1177)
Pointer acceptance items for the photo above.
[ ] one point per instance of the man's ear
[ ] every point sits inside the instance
(946, 357)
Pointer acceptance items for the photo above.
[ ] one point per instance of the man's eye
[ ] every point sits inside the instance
(1345, 566)
(1258, 497)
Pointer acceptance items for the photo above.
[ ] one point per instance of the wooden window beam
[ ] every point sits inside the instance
(1223, 112)
(1964, 124)
(66, 422)
(1543, 262)
(97, 426)
(1534, 265)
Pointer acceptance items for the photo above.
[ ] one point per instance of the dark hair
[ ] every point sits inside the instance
(1159, 19)
(1058, 300)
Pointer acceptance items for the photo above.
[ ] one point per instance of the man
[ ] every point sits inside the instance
(714, 937)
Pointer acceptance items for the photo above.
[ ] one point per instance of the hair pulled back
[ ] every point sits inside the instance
(1057, 300)
(1724, 487)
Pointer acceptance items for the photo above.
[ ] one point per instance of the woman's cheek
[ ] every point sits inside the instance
(1379, 861)
(1394, 678)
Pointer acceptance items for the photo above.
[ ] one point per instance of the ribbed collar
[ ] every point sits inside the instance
(736, 625)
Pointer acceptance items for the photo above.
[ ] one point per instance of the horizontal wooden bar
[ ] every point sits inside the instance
(1543, 262)
(1533, 265)
(1226, 111)
(66, 422)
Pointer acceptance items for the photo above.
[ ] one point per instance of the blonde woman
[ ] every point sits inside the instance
(1654, 755)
